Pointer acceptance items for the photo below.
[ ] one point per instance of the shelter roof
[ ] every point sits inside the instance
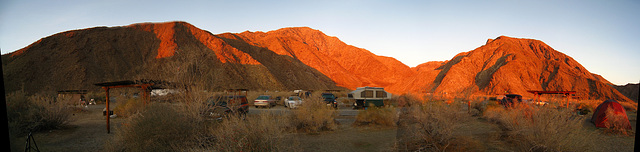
(72, 92)
(551, 92)
(153, 84)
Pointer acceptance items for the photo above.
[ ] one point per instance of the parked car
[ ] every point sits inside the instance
(511, 99)
(264, 101)
(292, 102)
(330, 99)
(221, 106)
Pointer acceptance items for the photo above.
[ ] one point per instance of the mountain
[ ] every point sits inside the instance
(175, 51)
(348, 66)
(629, 90)
(284, 59)
(510, 65)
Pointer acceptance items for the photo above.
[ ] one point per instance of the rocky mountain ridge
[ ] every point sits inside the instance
(285, 59)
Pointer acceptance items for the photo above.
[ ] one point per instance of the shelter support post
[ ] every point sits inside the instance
(106, 91)
(145, 93)
(567, 99)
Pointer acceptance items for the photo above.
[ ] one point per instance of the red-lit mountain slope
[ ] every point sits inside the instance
(510, 65)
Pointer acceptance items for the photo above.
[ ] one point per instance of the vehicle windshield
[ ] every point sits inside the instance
(293, 98)
(328, 96)
(262, 97)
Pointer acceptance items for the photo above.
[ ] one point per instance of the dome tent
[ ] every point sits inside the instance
(601, 117)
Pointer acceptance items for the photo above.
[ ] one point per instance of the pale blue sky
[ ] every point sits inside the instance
(604, 36)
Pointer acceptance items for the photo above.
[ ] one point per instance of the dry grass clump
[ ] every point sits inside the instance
(266, 132)
(183, 126)
(35, 113)
(377, 117)
(313, 116)
(128, 107)
(159, 127)
(617, 124)
(431, 126)
(533, 128)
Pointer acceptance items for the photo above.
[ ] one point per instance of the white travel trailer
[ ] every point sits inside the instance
(365, 96)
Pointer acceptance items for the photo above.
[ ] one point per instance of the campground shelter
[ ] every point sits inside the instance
(72, 97)
(565, 93)
(145, 86)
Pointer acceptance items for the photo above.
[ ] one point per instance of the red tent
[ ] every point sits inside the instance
(600, 114)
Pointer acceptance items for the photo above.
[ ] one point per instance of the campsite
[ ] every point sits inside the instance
(487, 126)
(326, 76)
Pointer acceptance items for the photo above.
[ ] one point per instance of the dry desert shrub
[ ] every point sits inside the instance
(159, 127)
(377, 117)
(181, 126)
(431, 127)
(35, 113)
(195, 103)
(533, 128)
(128, 107)
(616, 123)
(313, 116)
(265, 132)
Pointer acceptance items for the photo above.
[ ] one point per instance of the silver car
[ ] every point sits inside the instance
(292, 102)
(264, 101)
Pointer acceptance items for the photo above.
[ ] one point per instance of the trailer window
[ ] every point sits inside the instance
(381, 94)
(367, 94)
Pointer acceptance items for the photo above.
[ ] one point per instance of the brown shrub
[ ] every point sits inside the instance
(532, 128)
(431, 127)
(616, 123)
(377, 117)
(313, 115)
(265, 132)
(159, 127)
(128, 107)
(35, 113)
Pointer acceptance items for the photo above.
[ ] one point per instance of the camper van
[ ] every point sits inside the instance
(368, 96)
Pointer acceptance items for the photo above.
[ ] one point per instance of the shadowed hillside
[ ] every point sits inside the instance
(630, 90)
(78, 59)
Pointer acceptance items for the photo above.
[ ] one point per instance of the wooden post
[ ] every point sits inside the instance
(145, 94)
(106, 89)
(567, 96)
(469, 106)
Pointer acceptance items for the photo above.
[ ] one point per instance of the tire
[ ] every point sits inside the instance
(256, 106)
